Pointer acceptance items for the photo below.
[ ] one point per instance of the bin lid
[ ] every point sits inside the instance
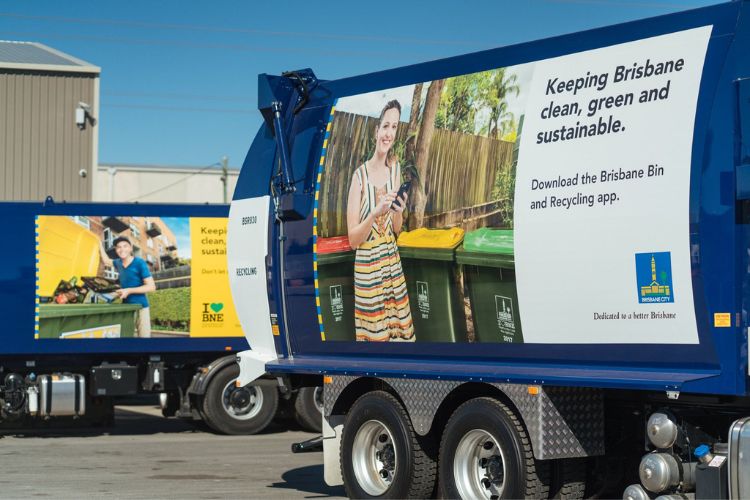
(333, 244)
(489, 240)
(485, 259)
(67, 310)
(431, 238)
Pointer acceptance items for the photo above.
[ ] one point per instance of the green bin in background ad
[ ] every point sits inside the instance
(490, 274)
(336, 287)
(87, 321)
(431, 281)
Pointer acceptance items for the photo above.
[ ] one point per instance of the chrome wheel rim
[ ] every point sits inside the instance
(479, 466)
(374, 457)
(318, 398)
(241, 403)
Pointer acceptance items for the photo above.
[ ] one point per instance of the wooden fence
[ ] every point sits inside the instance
(460, 177)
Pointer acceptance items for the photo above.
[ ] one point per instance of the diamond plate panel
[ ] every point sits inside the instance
(422, 399)
(562, 422)
(332, 391)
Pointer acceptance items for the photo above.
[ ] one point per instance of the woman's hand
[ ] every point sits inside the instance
(384, 204)
(123, 293)
(400, 203)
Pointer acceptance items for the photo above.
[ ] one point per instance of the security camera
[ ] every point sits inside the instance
(83, 114)
(83, 173)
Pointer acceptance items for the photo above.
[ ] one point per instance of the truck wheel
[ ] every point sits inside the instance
(569, 479)
(308, 408)
(485, 453)
(381, 456)
(238, 410)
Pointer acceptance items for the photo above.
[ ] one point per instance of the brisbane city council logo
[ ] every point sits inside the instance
(654, 276)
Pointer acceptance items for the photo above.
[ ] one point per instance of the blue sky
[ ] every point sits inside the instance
(180, 226)
(178, 82)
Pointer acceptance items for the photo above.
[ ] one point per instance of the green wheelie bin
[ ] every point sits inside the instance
(490, 273)
(87, 321)
(428, 260)
(335, 264)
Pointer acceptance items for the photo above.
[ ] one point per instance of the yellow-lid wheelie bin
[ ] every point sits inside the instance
(489, 270)
(428, 260)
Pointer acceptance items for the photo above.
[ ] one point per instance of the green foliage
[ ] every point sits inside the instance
(482, 97)
(463, 96)
(504, 189)
(170, 308)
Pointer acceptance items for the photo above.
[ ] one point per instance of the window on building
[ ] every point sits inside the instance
(108, 237)
(150, 243)
(82, 221)
(110, 273)
(150, 258)
(135, 231)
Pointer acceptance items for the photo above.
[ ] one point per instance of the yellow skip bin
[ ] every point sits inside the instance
(65, 249)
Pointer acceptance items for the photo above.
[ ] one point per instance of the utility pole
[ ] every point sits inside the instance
(225, 175)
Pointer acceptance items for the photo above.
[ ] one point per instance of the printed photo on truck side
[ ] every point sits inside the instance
(469, 209)
(107, 277)
(417, 182)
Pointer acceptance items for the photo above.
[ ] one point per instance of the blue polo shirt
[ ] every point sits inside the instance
(133, 276)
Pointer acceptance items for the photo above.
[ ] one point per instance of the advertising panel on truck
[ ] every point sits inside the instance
(566, 182)
(104, 277)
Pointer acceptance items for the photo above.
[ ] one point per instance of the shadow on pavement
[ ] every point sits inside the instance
(131, 421)
(309, 479)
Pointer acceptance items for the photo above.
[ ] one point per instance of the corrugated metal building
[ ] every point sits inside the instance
(49, 102)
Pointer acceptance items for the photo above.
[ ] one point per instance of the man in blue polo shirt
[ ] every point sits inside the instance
(135, 282)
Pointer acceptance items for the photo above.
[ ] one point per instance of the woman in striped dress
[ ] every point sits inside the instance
(381, 304)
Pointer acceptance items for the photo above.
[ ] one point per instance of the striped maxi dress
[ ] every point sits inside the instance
(381, 304)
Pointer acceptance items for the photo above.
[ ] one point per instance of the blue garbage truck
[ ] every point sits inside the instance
(105, 301)
(518, 273)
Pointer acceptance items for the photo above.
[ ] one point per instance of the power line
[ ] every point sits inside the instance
(180, 108)
(220, 29)
(183, 179)
(171, 95)
(618, 3)
(220, 46)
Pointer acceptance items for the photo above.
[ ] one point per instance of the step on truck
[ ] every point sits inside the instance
(105, 301)
(522, 272)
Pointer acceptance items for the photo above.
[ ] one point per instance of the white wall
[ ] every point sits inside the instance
(130, 183)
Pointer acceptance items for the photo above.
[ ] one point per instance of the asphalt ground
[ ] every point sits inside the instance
(147, 456)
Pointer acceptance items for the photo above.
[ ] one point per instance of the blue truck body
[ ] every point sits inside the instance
(716, 365)
(432, 390)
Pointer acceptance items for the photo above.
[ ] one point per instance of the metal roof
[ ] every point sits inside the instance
(36, 56)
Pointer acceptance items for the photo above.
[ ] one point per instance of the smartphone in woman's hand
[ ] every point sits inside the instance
(401, 192)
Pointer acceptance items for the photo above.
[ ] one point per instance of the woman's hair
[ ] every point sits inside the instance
(392, 104)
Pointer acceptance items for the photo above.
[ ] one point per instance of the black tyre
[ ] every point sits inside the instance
(486, 453)
(308, 408)
(569, 479)
(238, 410)
(381, 456)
